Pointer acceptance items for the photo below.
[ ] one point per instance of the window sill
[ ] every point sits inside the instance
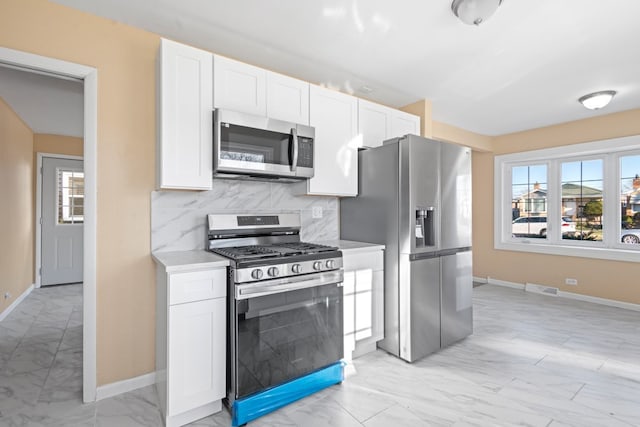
(612, 254)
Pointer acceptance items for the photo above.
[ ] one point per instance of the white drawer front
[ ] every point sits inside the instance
(197, 285)
(363, 260)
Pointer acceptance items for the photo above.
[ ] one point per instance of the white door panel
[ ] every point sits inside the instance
(62, 221)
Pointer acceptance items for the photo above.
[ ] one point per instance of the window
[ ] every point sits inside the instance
(70, 192)
(529, 200)
(582, 201)
(577, 200)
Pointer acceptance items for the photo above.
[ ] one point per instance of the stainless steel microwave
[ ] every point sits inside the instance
(255, 147)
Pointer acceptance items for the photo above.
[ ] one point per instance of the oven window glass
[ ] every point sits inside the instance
(286, 335)
(254, 145)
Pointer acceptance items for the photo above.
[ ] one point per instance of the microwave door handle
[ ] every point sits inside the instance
(294, 141)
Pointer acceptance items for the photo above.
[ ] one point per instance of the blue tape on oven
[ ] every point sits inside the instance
(264, 402)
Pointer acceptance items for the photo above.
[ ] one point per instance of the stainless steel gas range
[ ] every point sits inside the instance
(285, 312)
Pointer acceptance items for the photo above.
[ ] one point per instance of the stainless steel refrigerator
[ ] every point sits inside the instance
(414, 197)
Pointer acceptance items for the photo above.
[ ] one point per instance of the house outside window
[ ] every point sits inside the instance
(577, 200)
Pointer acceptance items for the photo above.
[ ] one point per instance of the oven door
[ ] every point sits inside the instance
(259, 146)
(284, 330)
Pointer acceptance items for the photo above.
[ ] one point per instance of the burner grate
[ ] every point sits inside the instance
(272, 251)
(246, 252)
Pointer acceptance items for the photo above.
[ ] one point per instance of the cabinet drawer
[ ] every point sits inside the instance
(197, 285)
(361, 260)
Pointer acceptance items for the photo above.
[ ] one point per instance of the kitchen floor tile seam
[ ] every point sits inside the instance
(362, 422)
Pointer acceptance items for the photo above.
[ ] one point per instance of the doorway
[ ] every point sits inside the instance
(61, 219)
(89, 77)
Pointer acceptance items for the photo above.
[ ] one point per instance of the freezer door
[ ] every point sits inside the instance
(419, 229)
(457, 290)
(455, 196)
(419, 309)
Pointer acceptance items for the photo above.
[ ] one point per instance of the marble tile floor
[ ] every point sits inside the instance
(533, 360)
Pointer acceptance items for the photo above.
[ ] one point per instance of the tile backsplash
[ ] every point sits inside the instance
(178, 218)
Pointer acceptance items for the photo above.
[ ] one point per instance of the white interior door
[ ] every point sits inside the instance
(62, 221)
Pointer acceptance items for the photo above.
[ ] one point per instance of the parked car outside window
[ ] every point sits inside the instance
(537, 226)
(631, 236)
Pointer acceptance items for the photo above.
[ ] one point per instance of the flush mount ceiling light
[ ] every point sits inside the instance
(597, 100)
(474, 12)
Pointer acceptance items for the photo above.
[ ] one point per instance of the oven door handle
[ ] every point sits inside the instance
(268, 287)
(294, 141)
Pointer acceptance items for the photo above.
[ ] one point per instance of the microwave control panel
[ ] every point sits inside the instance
(305, 152)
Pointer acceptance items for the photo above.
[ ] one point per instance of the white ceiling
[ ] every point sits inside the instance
(46, 104)
(523, 68)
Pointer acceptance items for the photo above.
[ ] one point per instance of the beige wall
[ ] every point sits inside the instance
(16, 208)
(125, 60)
(444, 132)
(449, 133)
(599, 278)
(57, 144)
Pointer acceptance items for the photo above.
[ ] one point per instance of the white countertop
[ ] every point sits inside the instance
(201, 259)
(189, 260)
(352, 246)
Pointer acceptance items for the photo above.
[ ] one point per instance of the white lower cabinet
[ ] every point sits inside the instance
(191, 344)
(363, 301)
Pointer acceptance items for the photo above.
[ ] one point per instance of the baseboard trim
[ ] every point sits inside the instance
(555, 292)
(598, 300)
(16, 302)
(482, 280)
(124, 386)
(492, 281)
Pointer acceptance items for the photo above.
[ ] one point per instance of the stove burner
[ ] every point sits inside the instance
(246, 252)
(272, 251)
(307, 248)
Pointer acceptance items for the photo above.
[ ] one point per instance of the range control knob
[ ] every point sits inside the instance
(273, 271)
(257, 274)
(331, 264)
(317, 265)
(296, 268)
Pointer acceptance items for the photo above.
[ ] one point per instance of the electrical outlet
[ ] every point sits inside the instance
(7, 295)
(316, 212)
(570, 281)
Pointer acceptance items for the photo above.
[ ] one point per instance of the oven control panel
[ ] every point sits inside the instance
(296, 268)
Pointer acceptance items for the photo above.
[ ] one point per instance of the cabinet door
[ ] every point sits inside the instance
(404, 123)
(287, 99)
(349, 316)
(334, 116)
(377, 306)
(197, 285)
(197, 351)
(239, 87)
(364, 303)
(185, 110)
(364, 290)
(374, 123)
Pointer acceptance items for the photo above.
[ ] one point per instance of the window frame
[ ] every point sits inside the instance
(610, 151)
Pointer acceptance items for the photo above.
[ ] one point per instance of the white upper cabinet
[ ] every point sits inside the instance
(287, 98)
(377, 123)
(404, 123)
(374, 123)
(185, 108)
(334, 116)
(242, 87)
(239, 87)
